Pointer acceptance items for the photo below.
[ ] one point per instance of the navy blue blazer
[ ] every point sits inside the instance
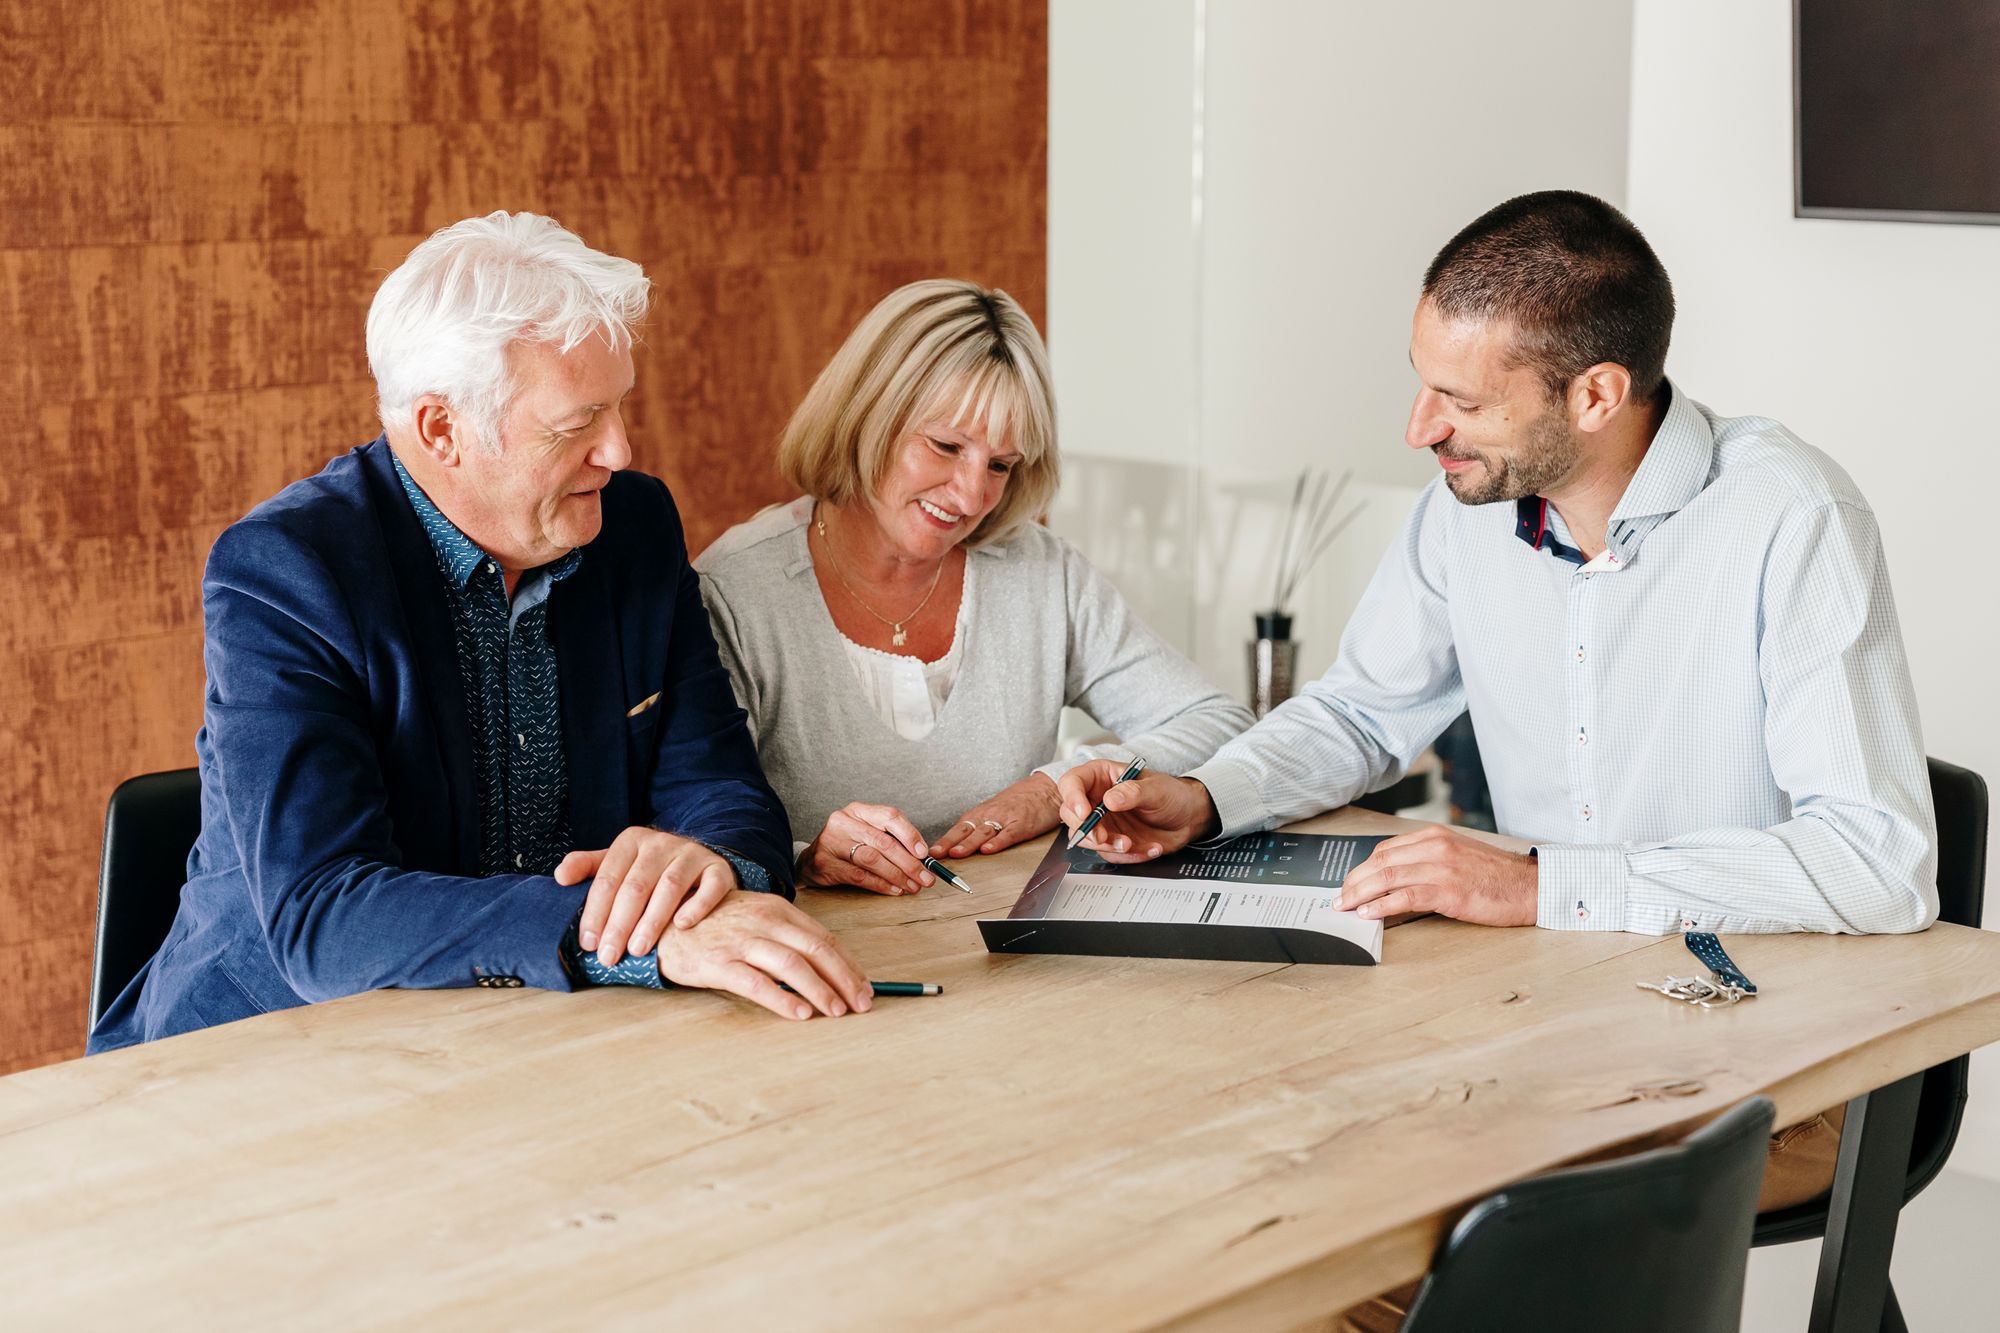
(339, 843)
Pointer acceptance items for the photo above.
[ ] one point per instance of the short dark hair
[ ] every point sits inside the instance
(1575, 278)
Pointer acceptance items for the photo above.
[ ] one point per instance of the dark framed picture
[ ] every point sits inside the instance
(1896, 109)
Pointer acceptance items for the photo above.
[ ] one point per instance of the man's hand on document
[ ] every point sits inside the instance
(1441, 870)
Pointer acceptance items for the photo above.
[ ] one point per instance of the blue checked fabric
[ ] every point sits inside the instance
(1708, 726)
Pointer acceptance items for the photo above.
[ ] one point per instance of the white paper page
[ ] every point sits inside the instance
(1085, 897)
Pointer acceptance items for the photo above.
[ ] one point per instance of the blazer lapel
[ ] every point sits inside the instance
(433, 649)
(591, 678)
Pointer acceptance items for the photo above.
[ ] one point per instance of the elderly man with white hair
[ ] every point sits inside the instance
(464, 721)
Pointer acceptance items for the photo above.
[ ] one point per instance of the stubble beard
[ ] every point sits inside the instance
(1547, 455)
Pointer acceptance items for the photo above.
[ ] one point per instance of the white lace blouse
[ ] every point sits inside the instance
(908, 693)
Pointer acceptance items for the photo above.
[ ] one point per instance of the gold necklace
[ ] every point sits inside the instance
(901, 635)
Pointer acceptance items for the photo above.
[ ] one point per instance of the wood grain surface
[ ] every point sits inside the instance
(198, 198)
(1054, 1143)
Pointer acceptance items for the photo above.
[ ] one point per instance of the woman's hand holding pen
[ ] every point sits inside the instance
(870, 847)
(1028, 809)
(1144, 817)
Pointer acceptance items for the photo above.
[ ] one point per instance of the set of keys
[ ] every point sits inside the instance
(1710, 992)
(1724, 985)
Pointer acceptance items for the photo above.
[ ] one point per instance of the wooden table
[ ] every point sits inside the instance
(1056, 1143)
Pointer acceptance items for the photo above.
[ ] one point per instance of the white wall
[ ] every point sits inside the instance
(1876, 341)
(1242, 198)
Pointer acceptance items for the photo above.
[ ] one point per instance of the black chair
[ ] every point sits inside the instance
(1653, 1243)
(1960, 798)
(1411, 789)
(149, 828)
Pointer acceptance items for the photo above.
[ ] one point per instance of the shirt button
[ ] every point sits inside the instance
(1581, 739)
(1586, 812)
(492, 568)
(1579, 652)
(517, 860)
(521, 737)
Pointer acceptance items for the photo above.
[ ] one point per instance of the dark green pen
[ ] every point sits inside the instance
(894, 988)
(1097, 811)
(945, 873)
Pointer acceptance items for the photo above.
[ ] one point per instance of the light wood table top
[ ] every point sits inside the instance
(1055, 1143)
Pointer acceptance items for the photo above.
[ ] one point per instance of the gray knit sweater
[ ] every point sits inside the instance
(1047, 630)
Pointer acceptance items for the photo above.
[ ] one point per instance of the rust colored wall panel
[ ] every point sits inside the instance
(197, 201)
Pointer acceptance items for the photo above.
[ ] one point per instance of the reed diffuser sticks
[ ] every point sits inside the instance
(1310, 519)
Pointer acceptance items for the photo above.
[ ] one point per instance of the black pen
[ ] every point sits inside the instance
(894, 988)
(944, 872)
(1097, 811)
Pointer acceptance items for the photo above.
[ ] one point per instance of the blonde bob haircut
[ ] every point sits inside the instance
(934, 350)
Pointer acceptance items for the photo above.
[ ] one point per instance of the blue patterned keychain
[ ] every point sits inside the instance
(1725, 985)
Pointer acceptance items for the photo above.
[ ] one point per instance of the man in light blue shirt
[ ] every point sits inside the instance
(1673, 630)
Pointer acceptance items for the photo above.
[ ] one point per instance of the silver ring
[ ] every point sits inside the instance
(852, 850)
(995, 825)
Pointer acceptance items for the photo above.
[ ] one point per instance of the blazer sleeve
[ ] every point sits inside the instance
(289, 726)
(707, 783)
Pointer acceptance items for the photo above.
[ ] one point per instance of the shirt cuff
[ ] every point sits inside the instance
(1580, 886)
(635, 969)
(1238, 804)
(752, 876)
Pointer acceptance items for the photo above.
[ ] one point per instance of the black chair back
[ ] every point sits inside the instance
(149, 828)
(1959, 796)
(1653, 1243)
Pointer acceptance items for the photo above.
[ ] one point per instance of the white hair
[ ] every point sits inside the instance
(443, 321)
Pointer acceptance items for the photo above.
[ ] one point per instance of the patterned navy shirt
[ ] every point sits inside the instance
(507, 665)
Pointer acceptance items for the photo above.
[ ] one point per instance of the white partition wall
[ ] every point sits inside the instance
(1242, 198)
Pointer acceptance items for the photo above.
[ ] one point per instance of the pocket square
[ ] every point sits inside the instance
(643, 705)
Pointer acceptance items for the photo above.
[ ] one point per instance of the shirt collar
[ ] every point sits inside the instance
(458, 555)
(1676, 466)
(1674, 470)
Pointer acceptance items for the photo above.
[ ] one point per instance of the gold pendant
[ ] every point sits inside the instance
(900, 637)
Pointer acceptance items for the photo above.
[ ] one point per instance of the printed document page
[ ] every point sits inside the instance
(1270, 880)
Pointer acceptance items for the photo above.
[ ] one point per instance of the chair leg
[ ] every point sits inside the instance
(1892, 1313)
(1852, 1295)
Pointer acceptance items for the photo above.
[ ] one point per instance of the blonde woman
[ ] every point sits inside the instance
(904, 635)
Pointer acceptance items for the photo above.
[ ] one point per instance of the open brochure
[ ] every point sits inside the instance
(1261, 898)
